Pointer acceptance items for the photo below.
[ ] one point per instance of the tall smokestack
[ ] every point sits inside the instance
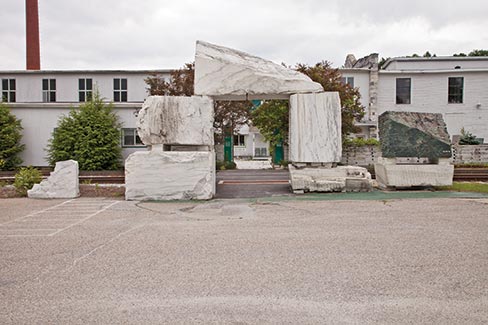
(33, 57)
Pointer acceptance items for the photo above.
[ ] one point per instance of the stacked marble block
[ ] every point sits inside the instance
(316, 147)
(410, 136)
(180, 164)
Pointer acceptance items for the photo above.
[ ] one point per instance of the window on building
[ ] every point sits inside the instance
(239, 140)
(85, 89)
(260, 152)
(348, 81)
(403, 89)
(131, 139)
(456, 87)
(8, 90)
(120, 90)
(48, 90)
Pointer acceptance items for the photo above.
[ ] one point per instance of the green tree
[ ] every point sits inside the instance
(272, 120)
(232, 114)
(330, 79)
(10, 135)
(89, 135)
(478, 53)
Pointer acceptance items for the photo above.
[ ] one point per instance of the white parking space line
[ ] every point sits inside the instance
(35, 213)
(56, 219)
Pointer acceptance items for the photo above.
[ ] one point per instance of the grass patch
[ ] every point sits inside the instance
(465, 187)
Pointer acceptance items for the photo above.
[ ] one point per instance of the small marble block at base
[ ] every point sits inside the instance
(338, 179)
(170, 175)
(315, 128)
(63, 183)
(392, 175)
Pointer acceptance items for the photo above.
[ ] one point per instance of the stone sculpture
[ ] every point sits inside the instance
(63, 183)
(315, 115)
(411, 134)
(422, 136)
(181, 162)
(167, 124)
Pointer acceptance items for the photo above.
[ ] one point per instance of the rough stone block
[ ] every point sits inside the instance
(411, 134)
(225, 73)
(63, 183)
(173, 120)
(315, 128)
(389, 174)
(339, 179)
(170, 175)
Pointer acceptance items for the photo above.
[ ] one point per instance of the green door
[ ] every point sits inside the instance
(228, 145)
(278, 153)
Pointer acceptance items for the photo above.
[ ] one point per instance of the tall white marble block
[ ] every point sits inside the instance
(63, 183)
(228, 74)
(315, 128)
(170, 175)
(176, 120)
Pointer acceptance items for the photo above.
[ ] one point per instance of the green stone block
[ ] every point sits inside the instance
(412, 134)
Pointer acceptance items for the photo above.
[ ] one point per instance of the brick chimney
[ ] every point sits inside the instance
(33, 55)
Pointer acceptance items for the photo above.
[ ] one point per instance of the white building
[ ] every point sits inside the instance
(453, 86)
(40, 98)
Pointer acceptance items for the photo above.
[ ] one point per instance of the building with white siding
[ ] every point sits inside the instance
(453, 86)
(457, 87)
(39, 98)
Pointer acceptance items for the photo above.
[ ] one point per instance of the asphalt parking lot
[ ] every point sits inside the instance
(244, 261)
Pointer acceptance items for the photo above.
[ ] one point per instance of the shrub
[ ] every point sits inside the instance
(89, 135)
(359, 142)
(10, 135)
(223, 165)
(467, 138)
(25, 179)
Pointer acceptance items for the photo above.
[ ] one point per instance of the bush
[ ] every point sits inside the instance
(25, 179)
(223, 165)
(359, 142)
(10, 135)
(89, 135)
(467, 138)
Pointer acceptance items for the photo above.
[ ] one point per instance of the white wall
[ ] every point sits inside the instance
(29, 85)
(39, 122)
(429, 94)
(361, 81)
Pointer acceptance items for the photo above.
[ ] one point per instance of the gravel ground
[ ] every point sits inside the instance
(244, 262)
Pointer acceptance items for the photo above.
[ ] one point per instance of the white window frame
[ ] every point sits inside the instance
(8, 91)
(137, 142)
(120, 91)
(85, 91)
(46, 93)
(239, 142)
(348, 81)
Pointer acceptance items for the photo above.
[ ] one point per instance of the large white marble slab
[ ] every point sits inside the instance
(176, 120)
(389, 174)
(170, 175)
(315, 128)
(225, 73)
(63, 183)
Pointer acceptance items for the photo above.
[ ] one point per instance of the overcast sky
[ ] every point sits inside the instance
(161, 34)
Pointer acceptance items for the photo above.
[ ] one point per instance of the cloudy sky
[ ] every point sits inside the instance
(161, 34)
